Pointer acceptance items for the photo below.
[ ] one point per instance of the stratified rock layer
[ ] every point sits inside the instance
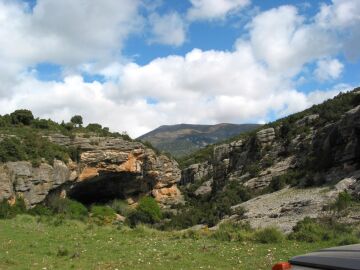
(133, 170)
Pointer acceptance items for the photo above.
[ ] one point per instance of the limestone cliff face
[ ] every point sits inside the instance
(108, 168)
(322, 152)
(334, 148)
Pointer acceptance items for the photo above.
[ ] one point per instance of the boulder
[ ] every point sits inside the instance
(266, 136)
(204, 189)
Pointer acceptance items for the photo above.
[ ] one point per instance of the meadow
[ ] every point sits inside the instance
(30, 242)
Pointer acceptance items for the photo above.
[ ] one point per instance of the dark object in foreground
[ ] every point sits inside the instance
(336, 258)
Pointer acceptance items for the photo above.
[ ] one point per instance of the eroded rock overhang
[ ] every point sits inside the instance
(108, 168)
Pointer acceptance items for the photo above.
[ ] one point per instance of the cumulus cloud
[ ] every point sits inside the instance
(68, 32)
(214, 9)
(283, 39)
(343, 16)
(203, 86)
(168, 29)
(328, 69)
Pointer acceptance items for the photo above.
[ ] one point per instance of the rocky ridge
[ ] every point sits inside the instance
(310, 151)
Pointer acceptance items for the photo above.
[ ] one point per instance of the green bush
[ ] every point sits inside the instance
(308, 230)
(121, 207)
(40, 210)
(41, 124)
(343, 201)
(147, 211)
(69, 208)
(10, 211)
(149, 206)
(277, 183)
(94, 127)
(268, 235)
(102, 215)
(233, 232)
(349, 240)
(11, 149)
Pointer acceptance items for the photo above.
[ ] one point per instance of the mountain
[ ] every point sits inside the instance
(183, 139)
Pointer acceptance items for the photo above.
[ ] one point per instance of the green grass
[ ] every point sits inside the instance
(26, 243)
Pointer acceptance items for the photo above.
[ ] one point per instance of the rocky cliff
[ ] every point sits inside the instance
(308, 152)
(107, 168)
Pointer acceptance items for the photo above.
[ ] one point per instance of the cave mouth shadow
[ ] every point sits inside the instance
(107, 187)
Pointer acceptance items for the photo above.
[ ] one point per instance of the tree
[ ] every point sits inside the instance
(77, 120)
(24, 117)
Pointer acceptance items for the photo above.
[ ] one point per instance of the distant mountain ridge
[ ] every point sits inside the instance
(183, 139)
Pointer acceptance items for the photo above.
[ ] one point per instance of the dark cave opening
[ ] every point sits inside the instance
(107, 187)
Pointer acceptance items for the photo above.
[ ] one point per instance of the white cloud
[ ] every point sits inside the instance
(168, 29)
(282, 39)
(339, 14)
(258, 76)
(214, 9)
(201, 87)
(328, 69)
(68, 32)
(343, 17)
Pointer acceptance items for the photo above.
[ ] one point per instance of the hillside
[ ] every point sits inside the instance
(183, 139)
(280, 173)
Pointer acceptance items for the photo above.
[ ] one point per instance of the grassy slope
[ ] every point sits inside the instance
(27, 244)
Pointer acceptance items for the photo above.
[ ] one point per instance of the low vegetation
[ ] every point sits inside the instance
(23, 137)
(209, 209)
(45, 243)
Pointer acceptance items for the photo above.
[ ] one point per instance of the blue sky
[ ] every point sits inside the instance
(133, 65)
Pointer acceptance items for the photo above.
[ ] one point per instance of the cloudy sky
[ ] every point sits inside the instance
(134, 65)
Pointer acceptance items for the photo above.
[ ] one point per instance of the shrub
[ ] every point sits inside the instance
(138, 217)
(74, 153)
(94, 127)
(308, 230)
(41, 124)
(10, 211)
(40, 210)
(121, 207)
(233, 232)
(149, 206)
(268, 235)
(148, 211)
(277, 183)
(69, 208)
(102, 215)
(349, 240)
(343, 201)
(11, 149)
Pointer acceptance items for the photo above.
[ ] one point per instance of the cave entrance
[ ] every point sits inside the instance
(107, 187)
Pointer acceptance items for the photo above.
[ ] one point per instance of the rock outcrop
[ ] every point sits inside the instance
(108, 168)
(310, 149)
(266, 136)
(286, 207)
(196, 172)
